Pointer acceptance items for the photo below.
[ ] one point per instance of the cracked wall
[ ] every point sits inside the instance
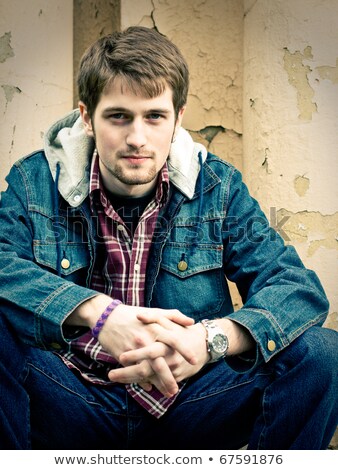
(290, 125)
(92, 19)
(214, 111)
(264, 81)
(315, 237)
(6, 50)
(298, 77)
(263, 96)
(210, 35)
(290, 85)
(35, 74)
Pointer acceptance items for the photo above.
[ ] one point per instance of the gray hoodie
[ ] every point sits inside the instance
(67, 144)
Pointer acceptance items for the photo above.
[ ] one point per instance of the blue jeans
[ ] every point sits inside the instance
(289, 403)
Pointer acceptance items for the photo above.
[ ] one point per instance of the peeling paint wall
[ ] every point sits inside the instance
(6, 50)
(35, 74)
(210, 35)
(264, 88)
(263, 96)
(92, 19)
(290, 125)
(298, 76)
(288, 144)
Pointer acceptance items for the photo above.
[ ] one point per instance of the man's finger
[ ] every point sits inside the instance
(175, 341)
(168, 385)
(147, 386)
(135, 373)
(145, 372)
(150, 352)
(153, 316)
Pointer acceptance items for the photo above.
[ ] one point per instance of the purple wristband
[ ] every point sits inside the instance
(102, 320)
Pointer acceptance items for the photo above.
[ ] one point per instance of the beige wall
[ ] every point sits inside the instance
(279, 124)
(36, 70)
(210, 35)
(290, 122)
(287, 141)
(92, 19)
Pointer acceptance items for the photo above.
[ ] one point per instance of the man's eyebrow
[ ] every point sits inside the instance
(114, 109)
(160, 110)
(121, 109)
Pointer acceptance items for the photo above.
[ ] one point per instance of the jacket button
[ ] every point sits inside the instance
(55, 346)
(65, 263)
(271, 345)
(182, 266)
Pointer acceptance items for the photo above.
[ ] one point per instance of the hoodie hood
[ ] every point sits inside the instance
(68, 147)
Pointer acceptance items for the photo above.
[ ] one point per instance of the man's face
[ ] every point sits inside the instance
(133, 135)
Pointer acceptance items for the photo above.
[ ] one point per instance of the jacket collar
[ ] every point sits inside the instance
(67, 145)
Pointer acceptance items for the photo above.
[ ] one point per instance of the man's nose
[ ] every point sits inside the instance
(136, 136)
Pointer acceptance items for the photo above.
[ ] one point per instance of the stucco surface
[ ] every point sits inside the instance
(92, 19)
(263, 96)
(264, 83)
(210, 36)
(35, 74)
(290, 125)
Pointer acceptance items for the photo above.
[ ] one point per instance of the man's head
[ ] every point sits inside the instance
(133, 89)
(143, 59)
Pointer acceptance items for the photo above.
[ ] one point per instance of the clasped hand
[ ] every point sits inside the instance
(156, 347)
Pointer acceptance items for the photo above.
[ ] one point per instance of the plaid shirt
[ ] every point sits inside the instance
(119, 272)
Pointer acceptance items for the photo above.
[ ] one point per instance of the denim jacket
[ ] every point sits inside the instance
(210, 231)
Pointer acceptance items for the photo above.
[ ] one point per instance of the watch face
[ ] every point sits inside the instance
(219, 344)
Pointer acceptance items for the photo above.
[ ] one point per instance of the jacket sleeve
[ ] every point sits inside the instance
(281, 298)
(34, 300)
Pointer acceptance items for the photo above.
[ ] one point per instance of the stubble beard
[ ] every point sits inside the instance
(134, 175)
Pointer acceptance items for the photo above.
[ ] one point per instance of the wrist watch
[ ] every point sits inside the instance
(217, 341)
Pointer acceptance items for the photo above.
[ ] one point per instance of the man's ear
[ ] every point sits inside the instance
(179, 120)
(180, 116)
(86, 119)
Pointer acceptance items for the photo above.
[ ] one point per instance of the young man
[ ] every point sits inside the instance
(117, 325)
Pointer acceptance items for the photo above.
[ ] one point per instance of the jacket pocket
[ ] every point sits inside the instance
(74, 256)
(183, 262)
(191, 279)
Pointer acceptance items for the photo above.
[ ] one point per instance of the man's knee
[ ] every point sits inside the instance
(321, 342)
(317, 348)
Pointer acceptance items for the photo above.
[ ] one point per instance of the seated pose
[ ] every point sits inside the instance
(116, 243)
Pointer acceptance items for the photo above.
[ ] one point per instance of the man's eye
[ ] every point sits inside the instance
(119, 116)
(154, 116)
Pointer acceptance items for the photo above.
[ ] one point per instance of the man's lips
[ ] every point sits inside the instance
(136, 159)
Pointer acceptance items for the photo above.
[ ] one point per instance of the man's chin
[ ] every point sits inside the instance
(136, 180)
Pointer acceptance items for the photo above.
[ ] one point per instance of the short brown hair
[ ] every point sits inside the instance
(145, 59)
